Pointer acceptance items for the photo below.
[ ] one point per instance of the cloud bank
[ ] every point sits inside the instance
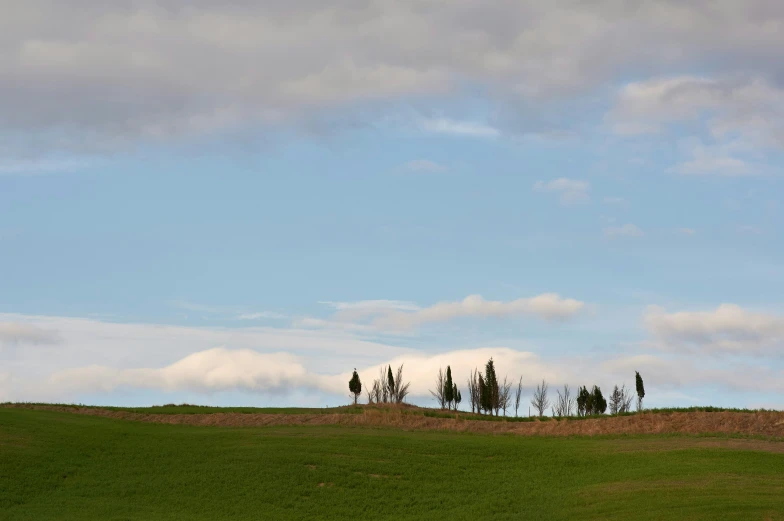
(152, 70)
(729, 328)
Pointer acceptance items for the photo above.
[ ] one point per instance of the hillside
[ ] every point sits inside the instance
(65, 466)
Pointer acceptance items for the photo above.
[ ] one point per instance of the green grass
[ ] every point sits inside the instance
(72, 467)
(350, 409)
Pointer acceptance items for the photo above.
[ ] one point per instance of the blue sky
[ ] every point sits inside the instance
(187, 216)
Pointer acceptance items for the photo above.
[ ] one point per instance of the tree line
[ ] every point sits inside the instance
(488, 395)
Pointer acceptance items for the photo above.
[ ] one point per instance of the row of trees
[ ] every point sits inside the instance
(489, 396)
(385, 389)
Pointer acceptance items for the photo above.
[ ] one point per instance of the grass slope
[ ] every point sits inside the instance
(72, 467)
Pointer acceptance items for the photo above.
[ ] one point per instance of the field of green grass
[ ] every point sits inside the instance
(56, 465)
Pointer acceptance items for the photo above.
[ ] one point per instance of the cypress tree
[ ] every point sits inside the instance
(391, 384)
(640, 390)
(492, 387)
(449, 392)
(355, 386)
(457, 396)
(598, 401)
(482, 394)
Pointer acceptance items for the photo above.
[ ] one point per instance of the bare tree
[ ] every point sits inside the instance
(540, 401)
(400, 390)
(505, 395)
(626, 399)
(518, 394)
(374, 393)
(615, 400)
(621, 400)
(564, 405)
(473, 390)
(380, 391)
(438, 394)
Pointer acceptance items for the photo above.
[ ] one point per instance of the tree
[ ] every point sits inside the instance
(438, 394)
(355, 386)
(458, 397)
(640, 390)
(565, 403)
(615, 401)
(483, 395)
(540, 401)
(598, 403)
(473, 390)
(390, 383)
(493, 394)
(505, 395)
(399, 390)
(449, 391)
(620, 400)
(518, 394)
(583, 399)
(374, 393)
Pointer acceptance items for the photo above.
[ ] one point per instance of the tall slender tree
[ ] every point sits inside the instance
(449, 391)
(390, 384)
(518, 394)
(640, 390)
(493, 394)
(355, 385)
(583, 401)
(438, 393)
(483, 395)
(458, 397)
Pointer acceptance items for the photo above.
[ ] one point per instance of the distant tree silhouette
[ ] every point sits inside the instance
(598, 403)
(449, 388)
(355, 386)
(438, 393)
(492, 392)
(518, 394)
(540, 402)
(640, 390)
(390, 383)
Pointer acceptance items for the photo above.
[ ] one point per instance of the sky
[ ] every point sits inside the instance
(239, 203)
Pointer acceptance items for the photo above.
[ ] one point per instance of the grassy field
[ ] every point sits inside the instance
(56, 465)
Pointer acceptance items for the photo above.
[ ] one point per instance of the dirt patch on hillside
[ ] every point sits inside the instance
(769, 424)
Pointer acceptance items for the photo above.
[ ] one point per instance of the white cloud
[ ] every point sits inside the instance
(743, 107)
(217, 369)
(626, 231)
(571, 191)
(703, 163)
(459, 128)
(21, 333)
(549, 306)
(739, 115)
(728, 328)
(84, 342)
(221, 369)
(425, 165)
